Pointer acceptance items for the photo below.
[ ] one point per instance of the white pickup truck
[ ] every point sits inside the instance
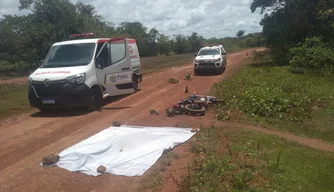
(210, 58)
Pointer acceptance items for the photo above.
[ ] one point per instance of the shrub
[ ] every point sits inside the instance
(312, 54)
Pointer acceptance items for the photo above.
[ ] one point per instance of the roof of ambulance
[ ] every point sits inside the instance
(77, 41)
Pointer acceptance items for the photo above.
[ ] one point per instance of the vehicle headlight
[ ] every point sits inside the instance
(197, 60)
(29, 80)
(76, 79)
(219, 59)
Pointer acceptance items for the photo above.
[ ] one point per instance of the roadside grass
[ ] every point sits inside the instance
(275, 97)
(13, 99)
(252, 161)
(151, 64)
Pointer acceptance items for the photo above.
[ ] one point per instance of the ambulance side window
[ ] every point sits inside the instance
(117, 50)
(105, 55)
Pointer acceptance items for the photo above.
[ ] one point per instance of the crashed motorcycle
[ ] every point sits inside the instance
(193, 105)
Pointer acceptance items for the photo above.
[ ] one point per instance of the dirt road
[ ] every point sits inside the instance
(24, 141)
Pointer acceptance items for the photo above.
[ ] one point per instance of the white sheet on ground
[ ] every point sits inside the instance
(125, 150)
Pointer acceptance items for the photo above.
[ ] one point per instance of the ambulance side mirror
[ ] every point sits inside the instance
(195, 55)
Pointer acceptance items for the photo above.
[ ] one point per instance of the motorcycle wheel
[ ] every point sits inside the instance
(190, 110)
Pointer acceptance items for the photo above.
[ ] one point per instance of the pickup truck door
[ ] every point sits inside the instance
(114, 68)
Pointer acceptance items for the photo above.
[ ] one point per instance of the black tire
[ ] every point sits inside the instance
(219, 71)
(192, 111)
(95, 100)
(135, 83)
(196, 73)
(224, 68)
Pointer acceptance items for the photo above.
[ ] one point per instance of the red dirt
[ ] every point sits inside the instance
(25, 141)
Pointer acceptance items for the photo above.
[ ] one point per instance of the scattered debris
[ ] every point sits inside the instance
(186, 91)
(170, 112)
(116, 124)
(154, 112)
(50, 160)
(194, 130)
(173, 81)
(187, 77)
(101, 169)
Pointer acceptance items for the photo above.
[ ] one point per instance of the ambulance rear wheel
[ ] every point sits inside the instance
(95, 100)
(135, 83)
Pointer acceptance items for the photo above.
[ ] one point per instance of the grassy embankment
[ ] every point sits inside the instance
(277, 98)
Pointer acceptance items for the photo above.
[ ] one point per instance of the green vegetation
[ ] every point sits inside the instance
(312, 54)
(249, 161)
(289, 86)
(287, 23)
(277, 98)
(13, 99)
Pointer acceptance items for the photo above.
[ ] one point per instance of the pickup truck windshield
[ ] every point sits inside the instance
(209, 52)
(70, 55)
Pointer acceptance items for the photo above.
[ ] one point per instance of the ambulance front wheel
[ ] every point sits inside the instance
(95, 99)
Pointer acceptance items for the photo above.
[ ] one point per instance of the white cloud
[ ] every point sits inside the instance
(209, 18)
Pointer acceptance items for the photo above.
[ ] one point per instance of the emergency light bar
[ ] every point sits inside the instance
(82, 35)
(210, 45)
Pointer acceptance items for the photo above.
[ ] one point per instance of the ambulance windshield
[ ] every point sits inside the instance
(69, 55)
(209, 52)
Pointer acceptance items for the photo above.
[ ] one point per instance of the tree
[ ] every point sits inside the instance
(181, 44)
(291, 22)
(196, 42)
(164, 45)
(240, 33)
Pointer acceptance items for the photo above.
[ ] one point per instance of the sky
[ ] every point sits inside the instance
(209, 18)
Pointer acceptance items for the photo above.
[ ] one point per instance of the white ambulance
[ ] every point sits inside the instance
(211, 58)
(84, 71)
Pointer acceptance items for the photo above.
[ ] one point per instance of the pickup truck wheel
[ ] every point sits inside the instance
(225, 63)
(196, 72)
(95, 100)
(220, 70)
(135, 83)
